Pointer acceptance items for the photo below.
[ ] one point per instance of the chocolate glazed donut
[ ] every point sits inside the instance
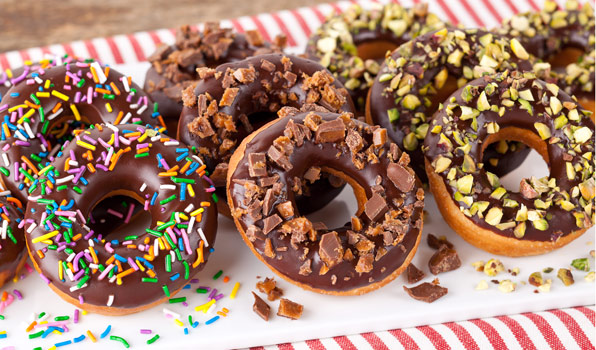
(354, 259)
(84, 91)
(234, 99)
(173, 67)
(352, 44)
(564, 37)
(547, 213)
(118, 274)
(417, 77)
(12, 240)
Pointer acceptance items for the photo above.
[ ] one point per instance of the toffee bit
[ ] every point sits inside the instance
(437, 242)
(289, 309)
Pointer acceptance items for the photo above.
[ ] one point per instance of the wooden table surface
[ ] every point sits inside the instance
(32, 23)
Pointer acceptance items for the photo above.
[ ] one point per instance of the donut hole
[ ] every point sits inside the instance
(260, 118)
(118, 216)
(337, 212)
(567, 56)
(374, 49)
(535, 164)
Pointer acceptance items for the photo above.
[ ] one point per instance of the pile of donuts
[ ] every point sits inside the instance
(388, 100)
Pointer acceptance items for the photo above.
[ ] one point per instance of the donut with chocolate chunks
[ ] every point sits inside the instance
(352, 44)
(357, 258)
(13, 254)
(174, 67)
(235, 99)
(129, 272)
(563, 37)
(417, 77)
(75, 90)
(546, 213)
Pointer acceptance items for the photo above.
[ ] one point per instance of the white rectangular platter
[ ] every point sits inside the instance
(324, 316)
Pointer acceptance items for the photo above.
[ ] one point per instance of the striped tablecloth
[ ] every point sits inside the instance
(571, 328)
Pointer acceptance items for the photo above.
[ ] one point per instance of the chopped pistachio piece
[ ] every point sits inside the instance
(493, 267)
(535, 279)
(493, 179)
(565, 276)
(581, 264)
(482, 285)
(506, 286)
(494, 215)
(555, 105)
(520, 230)
(464, 184)
(543, 130)
(540, 224)
(482, 104)
(393, 115)
(442, 164)
(410, 142)
(410, 102)
(582, 134)
(589, 277)
(519, 50)
(545, 287)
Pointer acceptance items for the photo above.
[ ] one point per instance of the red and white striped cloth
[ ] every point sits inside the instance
(567, 329)
(571, 328)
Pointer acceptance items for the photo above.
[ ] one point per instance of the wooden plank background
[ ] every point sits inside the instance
(32, 23)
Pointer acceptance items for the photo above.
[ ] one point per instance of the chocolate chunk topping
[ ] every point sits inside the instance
(330, 249)
(445, 259)
(427, 292)
(375, 207)
(268, 201)
(437, 242)
(279, 158)
(414, 274)
(261, 308)
(271, 222)
(289, 309)
(257, 164)
(331, 131)
(401, 177)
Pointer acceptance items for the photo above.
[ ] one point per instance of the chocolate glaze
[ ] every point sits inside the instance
(342, 63)
(424, 70)
(130, 174)
(160, 77)
(246, 103)
(12, 247)
(560, 222)
(95, 112)
(548, 32)
(336, 156)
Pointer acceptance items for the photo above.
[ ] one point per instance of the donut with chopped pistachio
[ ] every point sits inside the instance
(173, 67)
(565, 38)
(546, 213)
(234, 99)
(61, 91)
(352, 44)
(125, 272)
(265, 174)
(13, 254)
(417, 77)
